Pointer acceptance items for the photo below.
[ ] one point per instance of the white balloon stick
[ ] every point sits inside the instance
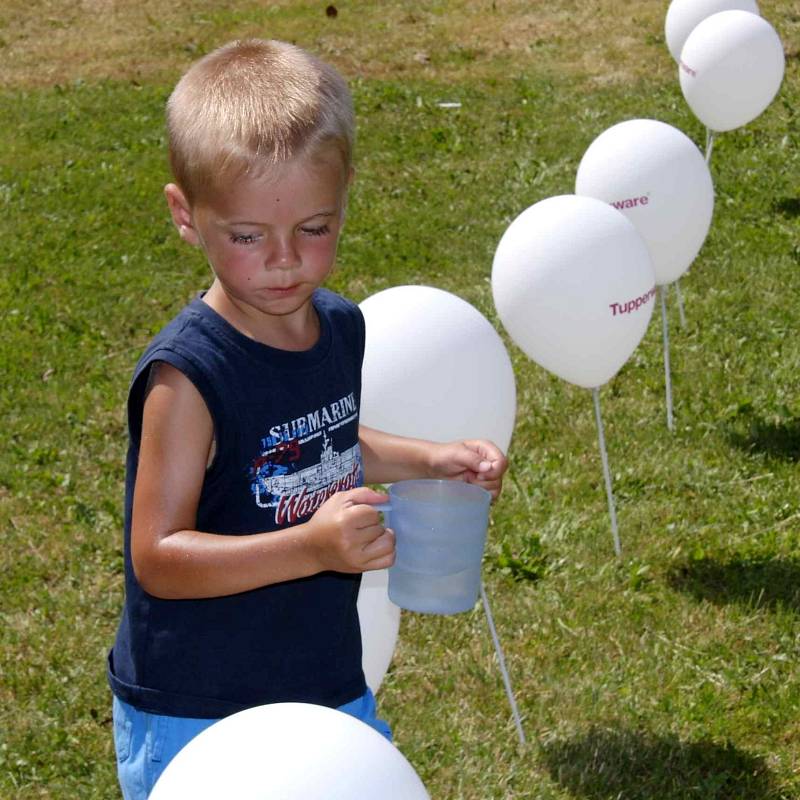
(606, 472)
(667, 377)
(710, 136)
(679, 298)
(502, 662)
(709, 144)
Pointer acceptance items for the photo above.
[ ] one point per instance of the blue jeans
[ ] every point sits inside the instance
(146, 743)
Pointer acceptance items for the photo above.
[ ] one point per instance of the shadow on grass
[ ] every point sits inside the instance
(777, 439)
(767, 582)
(788, 206)
(635, 765)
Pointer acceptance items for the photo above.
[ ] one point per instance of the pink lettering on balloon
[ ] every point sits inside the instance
(632, 305)
(631, 202)
(688, 70)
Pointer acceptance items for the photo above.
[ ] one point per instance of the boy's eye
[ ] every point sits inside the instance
(243, 238)
(320, 231)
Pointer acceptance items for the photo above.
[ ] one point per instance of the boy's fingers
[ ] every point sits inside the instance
(495, 470)
(485, 456)
(493, 465)
(362, 537)
(363, 495)
(365, 516)
(381, 546)
(492, 485)
(383, 561)
(379, 563)
(471, 460)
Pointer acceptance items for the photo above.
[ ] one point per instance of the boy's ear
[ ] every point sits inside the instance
(181, 213)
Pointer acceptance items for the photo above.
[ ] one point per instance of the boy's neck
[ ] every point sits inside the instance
(297, 331)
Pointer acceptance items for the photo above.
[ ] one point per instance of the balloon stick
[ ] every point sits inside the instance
(606, 472)
(501, 660)
(710, 135)
(667, 378)
(679, 298)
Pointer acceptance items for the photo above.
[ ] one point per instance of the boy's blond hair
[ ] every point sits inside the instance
(250, 106)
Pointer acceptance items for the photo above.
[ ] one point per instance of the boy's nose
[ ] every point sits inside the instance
(283, 255)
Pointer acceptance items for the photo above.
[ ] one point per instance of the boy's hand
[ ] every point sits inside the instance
(475, 461)
(348, 533)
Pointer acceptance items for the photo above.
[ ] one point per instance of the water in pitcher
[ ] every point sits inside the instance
(434, 594)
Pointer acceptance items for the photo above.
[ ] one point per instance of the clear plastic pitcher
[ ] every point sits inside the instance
(440, 528)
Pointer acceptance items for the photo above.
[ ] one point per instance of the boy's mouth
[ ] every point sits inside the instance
(282, 289)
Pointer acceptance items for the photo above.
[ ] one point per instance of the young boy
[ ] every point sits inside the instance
(247, 524)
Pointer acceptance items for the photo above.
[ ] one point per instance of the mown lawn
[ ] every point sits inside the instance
(670, 673)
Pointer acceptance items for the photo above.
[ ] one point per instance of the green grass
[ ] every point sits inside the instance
(669, 674)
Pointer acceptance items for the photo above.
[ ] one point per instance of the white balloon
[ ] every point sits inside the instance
(289, 751)
(683, 16)
(731, 69)
(574, 287)
(435, 368)
(656, 176)
(379, 618)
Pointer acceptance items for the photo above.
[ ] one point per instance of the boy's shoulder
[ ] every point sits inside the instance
(339, 310)
(179, 334)
(176, 326)
(328, 300)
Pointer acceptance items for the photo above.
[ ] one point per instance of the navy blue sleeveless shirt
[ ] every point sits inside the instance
(286, 432)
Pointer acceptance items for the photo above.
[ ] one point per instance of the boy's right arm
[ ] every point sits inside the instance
(172, 559)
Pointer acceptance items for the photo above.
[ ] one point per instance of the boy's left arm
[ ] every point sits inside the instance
(389, 458)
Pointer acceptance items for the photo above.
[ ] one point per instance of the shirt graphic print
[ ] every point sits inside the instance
(299, 465)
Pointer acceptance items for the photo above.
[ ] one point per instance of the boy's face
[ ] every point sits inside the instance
(271, 241)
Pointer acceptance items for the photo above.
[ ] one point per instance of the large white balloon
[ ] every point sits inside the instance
(379, 618)
(289, 751)
(574, 287)
(435, 368)
(731, 69)
(683, 16)
(656, 176)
